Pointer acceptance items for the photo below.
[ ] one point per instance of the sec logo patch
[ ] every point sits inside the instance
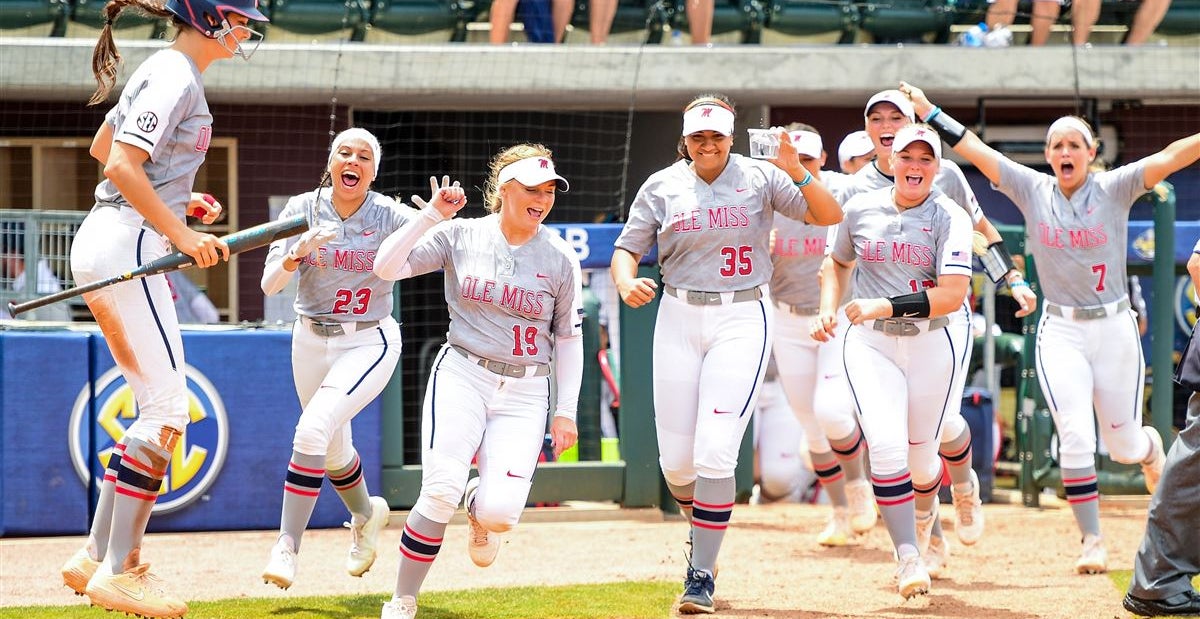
(147, 122)
(98, 425)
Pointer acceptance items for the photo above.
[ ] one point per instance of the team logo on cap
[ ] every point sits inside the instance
(199, 454)
(544, 163)
(706, 112)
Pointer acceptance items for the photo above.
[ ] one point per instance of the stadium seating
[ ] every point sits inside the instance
(653, 16)
(91, 13)
(809, 17)
(27, 13)
(745, 16)
(407, 17)
(319, 16)
(904, 21)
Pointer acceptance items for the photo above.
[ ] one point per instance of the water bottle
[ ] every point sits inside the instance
(676, 36)
(974, 36)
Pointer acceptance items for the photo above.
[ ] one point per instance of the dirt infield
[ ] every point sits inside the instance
(770, 565)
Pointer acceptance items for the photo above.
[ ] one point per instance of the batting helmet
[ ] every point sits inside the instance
(209, 16)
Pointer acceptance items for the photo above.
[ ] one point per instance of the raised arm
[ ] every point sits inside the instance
(1176, 156)
(391, 261)
(961, 139)
(823, 208)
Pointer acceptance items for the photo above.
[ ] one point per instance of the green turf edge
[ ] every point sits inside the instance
(626, 600)
(1121, 578)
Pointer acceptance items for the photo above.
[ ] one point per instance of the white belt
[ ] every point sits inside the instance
(333, 329)
(701, 297)
(903, 328)
(1088, 313)
(503, 369)
(798, 310)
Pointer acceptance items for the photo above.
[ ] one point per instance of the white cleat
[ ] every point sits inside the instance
(838, 531)
(911, 578)
(78, 570)
(937, 557)
(1153, 467)
(1094, 558)
(366, 537)
(968, 513)
(482, 545)
(404, 607)
(281, 568)
(862, 505)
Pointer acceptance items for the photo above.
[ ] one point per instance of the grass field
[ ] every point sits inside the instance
(633, 600)
(1121, 579)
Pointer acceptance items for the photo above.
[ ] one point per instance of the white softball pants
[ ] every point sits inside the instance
(336, 377)
(137, 317)
(709, 361)
(814, 379)
(903, 387)
(782, 469)
(469, 410)
(1086, 364)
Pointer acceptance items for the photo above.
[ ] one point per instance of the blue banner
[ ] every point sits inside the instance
(1141, 241)
(226, 472)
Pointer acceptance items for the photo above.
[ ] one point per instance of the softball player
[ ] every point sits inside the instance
(855, 151)
(151, 144)
(345, 344)
(912, 248)
(711, 214)
(811, 373)
(1088, 353)
(885, 113)
(782, 470)
(514, 292)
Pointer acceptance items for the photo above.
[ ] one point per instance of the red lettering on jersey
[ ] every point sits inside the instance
(1050, 237)
(685, 222)
(488, 287)
(786, 246)
(721, 217)
(912, 254)
(522, 300)
(872, 251)
(814, 246)
(204, 139)
(1088, 238)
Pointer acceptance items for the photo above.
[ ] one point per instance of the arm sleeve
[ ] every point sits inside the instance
(568, 373)
(392, 260)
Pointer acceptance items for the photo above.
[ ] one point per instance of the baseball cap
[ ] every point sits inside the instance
(807, 143)
(531, 172)
(896, 98)
(356, 134)
(708, 117)
(854, 145)
(917, 133)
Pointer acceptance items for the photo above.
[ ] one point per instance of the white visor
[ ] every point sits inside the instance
(531, 172)
(917, 133)
(854, 145)
(807, 143)
(708, 117)
(1070, 123)
(896, 98)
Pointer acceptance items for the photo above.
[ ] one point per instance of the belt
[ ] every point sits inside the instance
(700, 297)
(503, 369)
(333, 329)
(902, 328)
(1088, 313)
(798, 310)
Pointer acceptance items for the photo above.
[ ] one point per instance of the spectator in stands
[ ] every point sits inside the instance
(600, 19)
(545, 20)
(191, 304)
(855, 151)
(12, 273)
(700, 20)
(1084, 14)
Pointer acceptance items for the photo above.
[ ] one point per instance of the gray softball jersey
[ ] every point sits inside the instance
(336, 281)
(162, 111)
(712, 237)
(1079, 243)
(949, 179)
(505, 302)
(799, 250)
(901, 252)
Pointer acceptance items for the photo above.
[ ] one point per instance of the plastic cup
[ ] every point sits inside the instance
(610, 450)
(764, 143)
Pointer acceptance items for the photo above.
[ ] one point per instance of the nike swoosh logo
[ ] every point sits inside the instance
(541, 276)
(829, 376)
(917, 443)
(137, 594)
(368, 233)
(909, 315)
(510, 474)
(1117, 426)
(717, 412)
(742, 189)
(926, 229)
